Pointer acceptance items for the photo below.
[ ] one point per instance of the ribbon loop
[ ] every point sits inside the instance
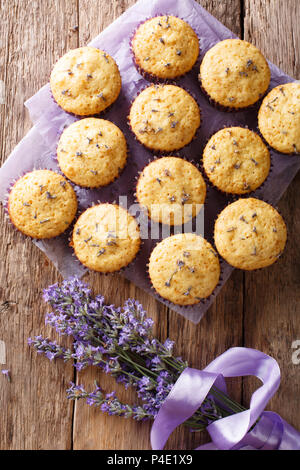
(232, 432)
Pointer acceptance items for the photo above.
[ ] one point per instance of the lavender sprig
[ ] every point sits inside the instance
(50, 348)
(108, 403)
(6, 374)
(121, 343)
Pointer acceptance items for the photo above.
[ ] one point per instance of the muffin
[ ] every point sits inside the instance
(172, 190)
(91, 152)
(184, 269)
(106, 238)
(85, 81)
(250, 234)
(164, 117)
(234, 74)
(165, 47)
(42, 204)
(236, 160)
(279, 118)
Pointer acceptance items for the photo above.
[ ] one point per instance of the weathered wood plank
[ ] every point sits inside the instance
(221, 327)
(33, 412)
(92, 429)
(37, 414)
(272, 313)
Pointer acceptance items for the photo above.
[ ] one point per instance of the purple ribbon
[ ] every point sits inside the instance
(271, 432)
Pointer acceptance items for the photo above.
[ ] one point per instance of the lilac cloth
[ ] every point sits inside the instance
(49, 121)
(270, 433)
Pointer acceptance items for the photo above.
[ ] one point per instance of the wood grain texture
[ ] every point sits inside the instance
(36, 414)
(92, 430)
(221, 327)
(271, 313)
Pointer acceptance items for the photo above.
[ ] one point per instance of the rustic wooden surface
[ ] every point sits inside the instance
(258, 310)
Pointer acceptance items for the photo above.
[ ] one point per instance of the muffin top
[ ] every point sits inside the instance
(234, 73)
(91, 152)
(106, 238)
(164, 117)
(165, 46)
(279, 118)
(172, 190)
(184, 268)
(42, 204)
(250, 234)
(236, 160)
(85, 81)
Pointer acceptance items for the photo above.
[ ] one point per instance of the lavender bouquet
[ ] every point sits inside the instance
(120, 342)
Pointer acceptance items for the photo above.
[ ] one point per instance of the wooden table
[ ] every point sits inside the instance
(258, 310)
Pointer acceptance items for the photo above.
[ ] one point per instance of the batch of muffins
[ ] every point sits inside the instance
(184, 268)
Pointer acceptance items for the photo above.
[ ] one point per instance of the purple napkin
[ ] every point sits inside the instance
(38, 148)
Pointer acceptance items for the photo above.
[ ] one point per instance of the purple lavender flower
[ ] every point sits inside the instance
(6, 373)
(50, 348)
(76, 391)
(120, 342)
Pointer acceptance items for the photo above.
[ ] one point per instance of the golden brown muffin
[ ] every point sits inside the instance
(165, 47)
(85, 81)
(234, 73)
(106, 238)
(184, 269)
(172, 190)
(91, 152)
(279, 118)
(164, 117)
(250, 234)
(42, 204)
(236, 160)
